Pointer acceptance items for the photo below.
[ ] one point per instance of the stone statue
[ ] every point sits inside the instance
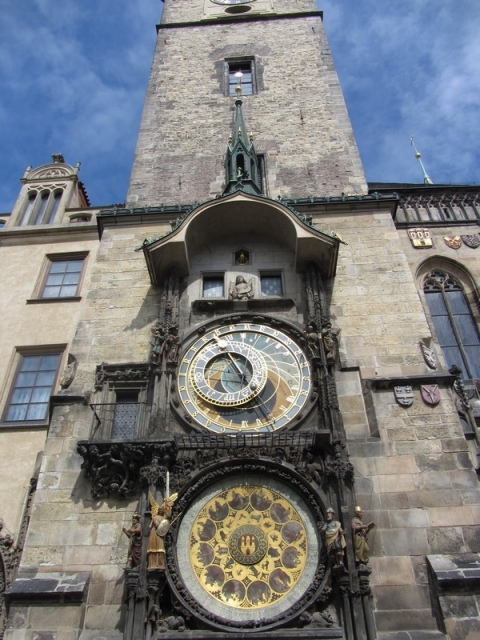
(317, 619)
(334, 538)
(360, 537)
(171, 623)
(312, 341)
(157, 344)
(135, 536)
(170, 346)
(242, 259)
(241, 289)
(329, 336)
(159, 526)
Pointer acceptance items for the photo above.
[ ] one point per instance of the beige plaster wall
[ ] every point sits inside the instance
(29, 325)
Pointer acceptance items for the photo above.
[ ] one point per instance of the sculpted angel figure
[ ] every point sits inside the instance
(159, 526)
(241, 289)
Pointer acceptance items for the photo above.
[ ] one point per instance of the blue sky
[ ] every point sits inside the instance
(73, 76)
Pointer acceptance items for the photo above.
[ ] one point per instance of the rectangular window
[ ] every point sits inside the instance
(63, 277)
(213, 286)
(32, 387)
(240, 73)
(271, 285)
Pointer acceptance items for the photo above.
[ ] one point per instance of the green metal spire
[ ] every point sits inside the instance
(241, 163)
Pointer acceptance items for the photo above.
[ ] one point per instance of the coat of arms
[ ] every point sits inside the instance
(430, 393)
(404, 395)
(454, 242)
(420, 238)
(429, 355)
(472, 241)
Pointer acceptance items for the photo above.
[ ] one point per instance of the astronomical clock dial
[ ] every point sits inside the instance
(248, 547)
(244, 378)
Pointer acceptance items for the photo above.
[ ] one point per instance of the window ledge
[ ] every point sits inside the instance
(60, 299)
(24, 424)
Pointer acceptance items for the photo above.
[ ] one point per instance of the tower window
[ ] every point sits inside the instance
(240, 73)
(213, 286)
(454, 323)
(63, 277)
(271, 285)
(41, 207)
(32, 388)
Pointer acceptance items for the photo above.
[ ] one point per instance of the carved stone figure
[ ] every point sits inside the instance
(317, 619)
(334, 538)
(360, 537)
(135, 536)
(312, 341)
(241, 289)
(68, 374)
(6, 539)
(171, 623)
(329, 336)
(170, 346)
(159, 526)
(157, 344)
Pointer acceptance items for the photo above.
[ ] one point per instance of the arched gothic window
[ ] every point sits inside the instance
(454, 323)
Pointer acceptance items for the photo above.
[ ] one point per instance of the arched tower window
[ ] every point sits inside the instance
(41, 207)
(455, 326)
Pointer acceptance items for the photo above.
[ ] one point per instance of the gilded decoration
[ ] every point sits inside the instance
(248, 547)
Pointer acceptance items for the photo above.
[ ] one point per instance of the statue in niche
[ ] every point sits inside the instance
(360, 537)
(170, 346)
(157, 344)
(330, 342)
(135, 536)
(159, 526)
(312, 340)
(241, 289)
(334, 538)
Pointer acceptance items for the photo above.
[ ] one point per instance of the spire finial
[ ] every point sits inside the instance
(418, 155)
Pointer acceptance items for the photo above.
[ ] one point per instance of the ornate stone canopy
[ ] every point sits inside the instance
(235, 214)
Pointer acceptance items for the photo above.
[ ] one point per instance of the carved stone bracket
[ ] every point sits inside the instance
(121, 468)
(130, 372)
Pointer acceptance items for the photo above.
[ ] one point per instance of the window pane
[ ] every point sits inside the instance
(51, 292)
(473, 356)
(457, 302)
(45, 378)
(31, 363)
(56, 201)
(59, 266)
(36, 412)
(41, 209)
(453, 356)
(42, 394)
(436, 303)
(31, 201)
(271, 285)
(74, 266)
(16, 412)
(467, 329)
(444, 330)
(213, 287)
(55, 278)
(68, 291)
(32, 389)
(71, 278)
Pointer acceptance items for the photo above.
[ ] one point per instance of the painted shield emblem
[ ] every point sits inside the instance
(420, 238)
(404, 395)
(429, 355)
(430, 393)
(472, 241)
(454, 242)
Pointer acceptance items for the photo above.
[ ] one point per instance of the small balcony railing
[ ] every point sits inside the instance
(119, 421)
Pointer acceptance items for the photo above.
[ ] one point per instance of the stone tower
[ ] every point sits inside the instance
(295, 106)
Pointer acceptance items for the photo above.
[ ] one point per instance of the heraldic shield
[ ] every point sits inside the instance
(404, 395)
(430, 393)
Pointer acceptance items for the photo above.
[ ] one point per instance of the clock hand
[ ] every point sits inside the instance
(237, 367)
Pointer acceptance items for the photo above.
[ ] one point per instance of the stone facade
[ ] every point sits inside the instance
(352, 302)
